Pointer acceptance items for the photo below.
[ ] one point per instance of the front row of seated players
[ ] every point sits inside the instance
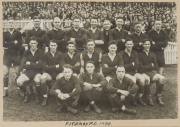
(34, 63)
(113, 64)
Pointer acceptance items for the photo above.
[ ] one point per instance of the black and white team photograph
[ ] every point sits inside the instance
(82, 61)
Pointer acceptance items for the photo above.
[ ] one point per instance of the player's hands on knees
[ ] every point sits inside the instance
(96, 85)
(88, 85)
(123, 92)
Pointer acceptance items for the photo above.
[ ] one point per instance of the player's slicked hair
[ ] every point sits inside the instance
(67, 66)
(89, 40)
(112, 42)
(76, 17)
(92, 62)
(33, 38)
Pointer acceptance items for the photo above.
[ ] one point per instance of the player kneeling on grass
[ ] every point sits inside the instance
(148, 68)
(67, 90)
(92, 84)
(52, 68)
(31, 66)
(119, 88)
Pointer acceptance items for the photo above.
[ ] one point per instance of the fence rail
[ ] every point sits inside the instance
(170, 51)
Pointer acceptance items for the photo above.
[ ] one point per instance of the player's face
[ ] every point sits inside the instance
(57, 23)
(94, 22)
(129, 45)
(90, 46)
(158, 25)
(11, 24)
(112, 48)
(147, 45)
(53, 47)
(90, 68)
(37, 23)
(33, 44)
(120, 72)
(71, 47)
(119, 22)
(76, 23)
(67, 72)
(138, 28)
(106, 25)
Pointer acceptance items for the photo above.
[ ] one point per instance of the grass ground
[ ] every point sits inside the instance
(15, 110)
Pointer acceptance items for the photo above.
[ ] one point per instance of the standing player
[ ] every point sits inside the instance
(119, 34)
(67, 90)
(95, 34)
(159, 40)
(51, 67)
(131, 65)
(31, 69)
(72, 58)
(91, 55)
(138, 37)
(92, 84)
(37, 32)
(119, 88)
(77, 34)
(106, 30)
(12, 43)
(57, 34)
(111, 61)
(148, 68)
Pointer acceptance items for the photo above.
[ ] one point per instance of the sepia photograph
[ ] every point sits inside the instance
(89, 61)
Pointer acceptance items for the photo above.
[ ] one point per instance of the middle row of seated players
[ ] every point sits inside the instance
(93, 71)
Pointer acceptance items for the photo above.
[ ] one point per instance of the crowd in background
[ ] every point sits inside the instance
(146, 12)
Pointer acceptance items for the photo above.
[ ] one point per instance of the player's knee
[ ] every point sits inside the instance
(37, 80)
(161, 79)
(108, 78)
(20, 81)
(5, 74)
(43, 79)
(142, 81)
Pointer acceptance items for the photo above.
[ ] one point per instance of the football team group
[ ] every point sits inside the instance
(89, 63)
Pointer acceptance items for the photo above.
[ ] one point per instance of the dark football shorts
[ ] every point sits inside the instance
(9, 59)
(31, 73)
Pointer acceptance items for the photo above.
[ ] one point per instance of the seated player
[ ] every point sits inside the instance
(91, 55)
(131, 64)
(51, 67)
(73, 58)
(148, 68)
(110, 61)
(67, 90)
(31, 66)
(119, 88)
(92, 85)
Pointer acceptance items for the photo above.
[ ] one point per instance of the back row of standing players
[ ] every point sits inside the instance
(124, 64)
